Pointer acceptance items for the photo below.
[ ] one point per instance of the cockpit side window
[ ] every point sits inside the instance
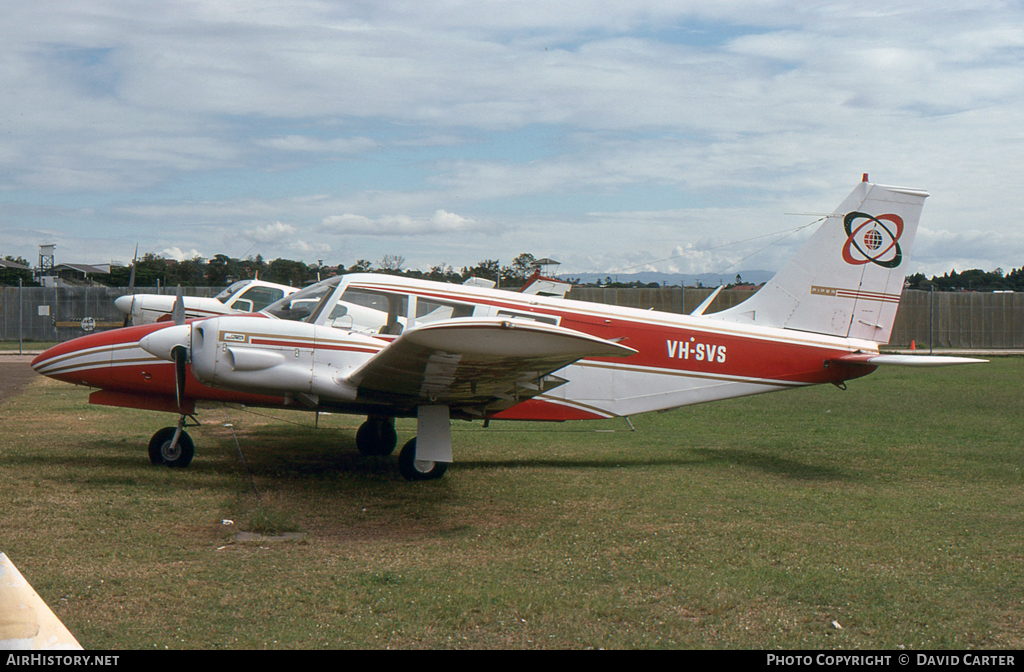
(371, 311)
(379, 311)
(305, 304)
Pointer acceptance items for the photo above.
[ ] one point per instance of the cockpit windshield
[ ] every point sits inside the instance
(230, 290)
(303, 305)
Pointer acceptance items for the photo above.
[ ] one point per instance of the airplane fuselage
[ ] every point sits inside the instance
(679, 360)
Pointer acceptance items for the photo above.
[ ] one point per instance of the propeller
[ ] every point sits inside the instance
(131, 286)
(178, 312)
(172, 344)
(179, 353)
(180, 356)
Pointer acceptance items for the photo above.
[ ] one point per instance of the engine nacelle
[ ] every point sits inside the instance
(266, 356)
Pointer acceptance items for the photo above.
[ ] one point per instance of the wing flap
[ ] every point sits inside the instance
(478, 361)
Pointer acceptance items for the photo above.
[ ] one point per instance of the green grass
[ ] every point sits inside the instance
(27, 344)
(893, 508)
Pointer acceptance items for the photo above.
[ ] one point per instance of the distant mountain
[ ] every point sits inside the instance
(670, 279)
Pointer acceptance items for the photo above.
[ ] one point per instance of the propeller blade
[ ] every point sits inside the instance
(131, 286)
(131, 278)
(180, 358)
(178, 313)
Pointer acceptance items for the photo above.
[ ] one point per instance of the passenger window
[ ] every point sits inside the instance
(430, 310)
(372, 311)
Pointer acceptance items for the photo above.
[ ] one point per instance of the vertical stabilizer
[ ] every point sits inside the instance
(847, 279)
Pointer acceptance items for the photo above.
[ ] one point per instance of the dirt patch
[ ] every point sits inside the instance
(15, 374)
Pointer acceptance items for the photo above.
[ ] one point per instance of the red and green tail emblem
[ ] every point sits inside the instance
(872, 239)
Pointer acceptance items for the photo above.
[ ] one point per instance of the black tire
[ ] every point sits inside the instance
(418, 470)
(376, 436)
(159, 449)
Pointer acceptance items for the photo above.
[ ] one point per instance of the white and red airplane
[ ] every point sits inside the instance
(244, 296)
(388, 347)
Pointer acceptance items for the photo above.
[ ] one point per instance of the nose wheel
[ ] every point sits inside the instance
(172, 447)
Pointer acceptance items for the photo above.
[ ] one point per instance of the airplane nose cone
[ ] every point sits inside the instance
(124, 304)
(160, 343)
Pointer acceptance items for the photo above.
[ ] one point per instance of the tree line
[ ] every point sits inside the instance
(974, 280)
(220, 270)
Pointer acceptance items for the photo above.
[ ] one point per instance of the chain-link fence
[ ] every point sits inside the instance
(960, 320)
(62, 313)
(665, 299)
(927, 319)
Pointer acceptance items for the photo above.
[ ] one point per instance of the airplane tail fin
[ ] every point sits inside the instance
(847, 279)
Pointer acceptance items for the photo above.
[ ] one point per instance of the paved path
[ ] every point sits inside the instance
(15, 373)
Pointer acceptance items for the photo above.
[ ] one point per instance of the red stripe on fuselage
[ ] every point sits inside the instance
(137, 373)
(745, 355)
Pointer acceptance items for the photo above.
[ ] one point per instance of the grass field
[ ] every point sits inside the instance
(37, 346)
(889, 515)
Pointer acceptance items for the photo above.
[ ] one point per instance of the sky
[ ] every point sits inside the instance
(671, 136)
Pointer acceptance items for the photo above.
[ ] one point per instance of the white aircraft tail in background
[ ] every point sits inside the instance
(847, 279)
(26, 623)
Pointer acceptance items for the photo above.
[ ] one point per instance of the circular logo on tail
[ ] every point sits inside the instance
(872, 239)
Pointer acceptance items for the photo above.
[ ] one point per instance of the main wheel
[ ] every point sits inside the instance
(377, 436)
(160, 452)
(418, 470)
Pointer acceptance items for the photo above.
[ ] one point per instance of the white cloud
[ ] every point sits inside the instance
(449, 221)
(192, 122)
(272, 233)
(398, 225)
(178, 254)
(304, 247)
(305, 143)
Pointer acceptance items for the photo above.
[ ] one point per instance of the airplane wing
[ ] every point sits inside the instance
(496, 362)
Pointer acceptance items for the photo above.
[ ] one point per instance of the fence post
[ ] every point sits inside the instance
(20, 321)
(931, 319)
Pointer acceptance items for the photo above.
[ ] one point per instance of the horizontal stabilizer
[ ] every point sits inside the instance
(699, 310)
(470, 362)
(907, 360)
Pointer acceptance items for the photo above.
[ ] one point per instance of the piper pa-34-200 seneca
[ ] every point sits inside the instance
(388, 347)
(244, 296)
